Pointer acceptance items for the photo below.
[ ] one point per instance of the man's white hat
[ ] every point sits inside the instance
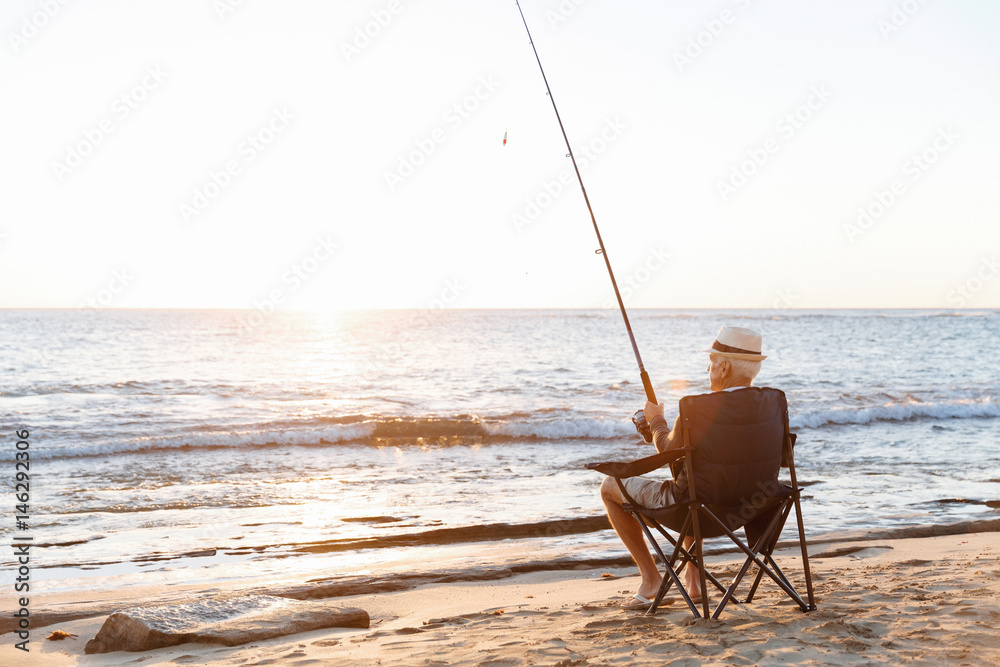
(737, 343)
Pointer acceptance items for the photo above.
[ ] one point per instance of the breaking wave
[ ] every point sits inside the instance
(965, 409)
(364, 430)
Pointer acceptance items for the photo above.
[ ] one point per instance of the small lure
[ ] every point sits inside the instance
(505, 136)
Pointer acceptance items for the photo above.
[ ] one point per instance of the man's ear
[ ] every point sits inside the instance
(726, 367)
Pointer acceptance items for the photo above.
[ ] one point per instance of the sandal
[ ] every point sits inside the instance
(637, 602)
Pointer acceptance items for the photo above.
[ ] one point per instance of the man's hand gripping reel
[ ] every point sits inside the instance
(642, 426)
(639, 418)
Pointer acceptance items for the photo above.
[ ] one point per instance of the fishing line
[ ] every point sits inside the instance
(639, 420)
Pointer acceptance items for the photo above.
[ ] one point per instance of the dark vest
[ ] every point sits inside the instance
(737, 436)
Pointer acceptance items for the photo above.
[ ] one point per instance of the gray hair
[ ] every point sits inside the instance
(742, 369)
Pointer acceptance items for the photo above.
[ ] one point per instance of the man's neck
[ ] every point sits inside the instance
(735, 386)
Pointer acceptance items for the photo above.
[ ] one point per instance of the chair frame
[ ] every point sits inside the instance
(760, 555)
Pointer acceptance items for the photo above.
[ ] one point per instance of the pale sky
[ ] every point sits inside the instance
(218, 153)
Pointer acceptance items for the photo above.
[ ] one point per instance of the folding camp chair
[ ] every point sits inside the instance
(733, 443)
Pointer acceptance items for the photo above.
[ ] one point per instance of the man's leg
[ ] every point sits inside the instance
(631, 535)
(691, 572)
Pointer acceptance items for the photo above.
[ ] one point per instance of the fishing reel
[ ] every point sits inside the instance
(642, 426)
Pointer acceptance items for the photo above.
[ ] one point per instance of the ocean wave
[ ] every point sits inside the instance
(566, 429)
(123, 388)
(964, 409)
(254, 439)
(967, 313)
(368, 430)
(360, 430)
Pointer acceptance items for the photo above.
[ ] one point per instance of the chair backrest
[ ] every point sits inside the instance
(738, 438)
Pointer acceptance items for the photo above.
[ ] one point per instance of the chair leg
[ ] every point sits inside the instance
(670, 578)
(678, 549)
(669, 570)
(805, 555)
(729, 595)
(774, 566)
(699, 553)
(784, 585)
(768, 558)
(686, 556)
(665, 585)
(768, 552)
(757, 579)
(796, 491)
(764, 539)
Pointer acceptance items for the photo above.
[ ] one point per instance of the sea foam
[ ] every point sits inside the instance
(464, 429)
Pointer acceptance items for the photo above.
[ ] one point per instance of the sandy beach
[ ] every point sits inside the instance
(319, 319)
(931, 600)
(461, 518)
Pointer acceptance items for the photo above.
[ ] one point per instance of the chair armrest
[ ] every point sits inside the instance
(623, 469)
(787, 452)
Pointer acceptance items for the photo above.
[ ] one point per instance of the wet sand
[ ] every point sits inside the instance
(926, 600)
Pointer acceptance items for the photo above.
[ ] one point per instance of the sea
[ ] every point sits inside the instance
(183, 446)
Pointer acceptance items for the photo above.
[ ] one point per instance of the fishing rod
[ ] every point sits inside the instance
(639, 419)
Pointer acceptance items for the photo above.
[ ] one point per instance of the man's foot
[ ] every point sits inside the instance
(637, 602)
(644, 596)
(649, 589)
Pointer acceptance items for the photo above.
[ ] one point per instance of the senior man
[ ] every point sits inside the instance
(733, 362)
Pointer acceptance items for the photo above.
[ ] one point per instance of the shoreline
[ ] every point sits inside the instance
(494, 532)
(933, 598)
(501, 563)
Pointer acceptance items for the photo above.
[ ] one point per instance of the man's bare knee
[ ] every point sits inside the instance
(610, 491)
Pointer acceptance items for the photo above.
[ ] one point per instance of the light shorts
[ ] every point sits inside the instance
(649, 492)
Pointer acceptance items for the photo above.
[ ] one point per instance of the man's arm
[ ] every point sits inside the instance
(664, 437)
